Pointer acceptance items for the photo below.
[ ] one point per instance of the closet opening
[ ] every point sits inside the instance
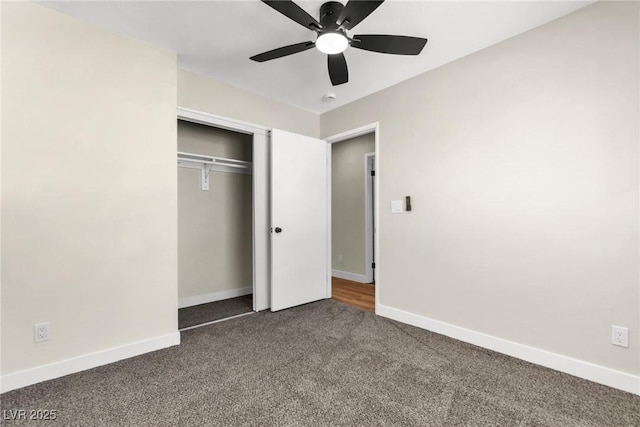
(215, 224)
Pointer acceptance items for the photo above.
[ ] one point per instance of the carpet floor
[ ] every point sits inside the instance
(203, 313)
(323, 364)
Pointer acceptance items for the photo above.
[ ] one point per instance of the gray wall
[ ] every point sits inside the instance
(212, 96)
(522, 161)
(89, 188)
(348, 203)
(215, 226)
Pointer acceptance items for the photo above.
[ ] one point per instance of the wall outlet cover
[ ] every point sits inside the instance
(41, 332)
(396, 206)
(620, 336)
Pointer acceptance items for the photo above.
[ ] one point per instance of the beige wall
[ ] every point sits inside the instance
(348, 203)
(215, 248)
(89, 198)
(522, 164)
(215, 97)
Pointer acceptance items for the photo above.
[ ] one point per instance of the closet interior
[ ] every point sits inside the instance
(215, 235)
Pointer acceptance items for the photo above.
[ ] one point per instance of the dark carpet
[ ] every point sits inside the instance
(324, 364)
(203, 313)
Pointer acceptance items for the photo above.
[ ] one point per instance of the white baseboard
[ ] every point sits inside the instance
(215, 296)
(87, 361)
(579, 368)
(349, 276)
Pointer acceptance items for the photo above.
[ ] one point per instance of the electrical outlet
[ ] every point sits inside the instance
(620, 336)
(41, 332)
(340, 258)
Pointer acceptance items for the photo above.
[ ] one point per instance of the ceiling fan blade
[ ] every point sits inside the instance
(294, 12)
(338, 72)
(282, 51)
(398, 45)
(355, 11)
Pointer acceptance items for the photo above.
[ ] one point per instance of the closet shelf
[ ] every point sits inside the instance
(209, 163)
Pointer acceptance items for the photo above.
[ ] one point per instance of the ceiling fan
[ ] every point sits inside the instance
(332, 38)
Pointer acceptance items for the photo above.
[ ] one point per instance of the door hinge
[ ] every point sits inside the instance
(373, 173)
(373, 265)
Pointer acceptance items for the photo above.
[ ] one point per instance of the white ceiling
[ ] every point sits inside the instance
(216, 39)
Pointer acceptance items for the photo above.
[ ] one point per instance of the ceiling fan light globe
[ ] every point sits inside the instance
(332, 43)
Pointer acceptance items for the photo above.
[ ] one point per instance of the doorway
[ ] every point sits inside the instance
(354, 219)
(266, 208)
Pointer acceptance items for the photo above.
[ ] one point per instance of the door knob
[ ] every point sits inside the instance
(278, 229)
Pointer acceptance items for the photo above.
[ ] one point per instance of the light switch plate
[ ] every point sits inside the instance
(396, 206)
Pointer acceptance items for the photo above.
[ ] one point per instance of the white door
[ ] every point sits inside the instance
(299, 220)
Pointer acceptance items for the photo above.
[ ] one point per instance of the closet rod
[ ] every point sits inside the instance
(208, 163)
(211, 160)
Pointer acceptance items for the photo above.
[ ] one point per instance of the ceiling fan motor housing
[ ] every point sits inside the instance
(329, 13)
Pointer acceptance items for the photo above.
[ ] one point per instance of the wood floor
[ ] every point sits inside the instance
(360, 295)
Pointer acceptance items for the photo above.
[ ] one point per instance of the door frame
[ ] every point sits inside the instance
(363, 130)
(260, 214)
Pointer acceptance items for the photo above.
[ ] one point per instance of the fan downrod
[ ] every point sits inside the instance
(329, 14)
